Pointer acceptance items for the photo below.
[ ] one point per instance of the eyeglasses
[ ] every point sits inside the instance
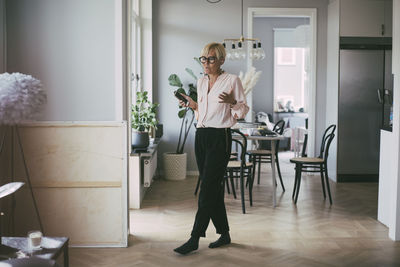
(210, 60)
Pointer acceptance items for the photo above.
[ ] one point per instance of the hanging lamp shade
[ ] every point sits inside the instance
(236, 48)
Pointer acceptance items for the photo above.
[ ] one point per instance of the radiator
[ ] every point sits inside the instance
(149, 169)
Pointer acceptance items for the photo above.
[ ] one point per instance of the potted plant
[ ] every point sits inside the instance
(143, 117)
(175, 162)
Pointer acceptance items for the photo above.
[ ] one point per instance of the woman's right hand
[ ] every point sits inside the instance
(191, 103)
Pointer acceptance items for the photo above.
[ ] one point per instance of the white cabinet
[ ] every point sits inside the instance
(386, 176)
(366, 18)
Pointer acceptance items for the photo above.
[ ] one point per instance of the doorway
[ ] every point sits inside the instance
(308, 105)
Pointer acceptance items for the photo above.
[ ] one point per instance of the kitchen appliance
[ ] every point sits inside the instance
(366, 86)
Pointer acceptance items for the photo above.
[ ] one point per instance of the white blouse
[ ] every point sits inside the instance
(211, 113)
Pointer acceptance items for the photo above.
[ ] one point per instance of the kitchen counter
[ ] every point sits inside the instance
(388, 129)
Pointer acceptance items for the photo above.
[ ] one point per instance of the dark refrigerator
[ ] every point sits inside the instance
(364, 106)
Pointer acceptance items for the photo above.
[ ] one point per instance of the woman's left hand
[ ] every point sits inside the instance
(227, 98)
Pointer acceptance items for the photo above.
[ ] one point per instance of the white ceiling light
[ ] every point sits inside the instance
(235, 47)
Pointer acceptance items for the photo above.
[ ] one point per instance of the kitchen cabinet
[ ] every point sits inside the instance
(388, 20)
(387, 176)
(366, 18)
(2, 38)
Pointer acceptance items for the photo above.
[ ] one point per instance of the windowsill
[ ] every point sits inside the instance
(149, 151)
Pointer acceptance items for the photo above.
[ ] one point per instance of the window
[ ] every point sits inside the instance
(291, 69)
(286, 56)
(290, 79)
(141, 47)
(136, 69)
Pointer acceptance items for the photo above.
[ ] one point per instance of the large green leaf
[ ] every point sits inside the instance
(193, 95)
(174, 80)
(181, 90)
(193, 92)
(181, 113)
(191, 73)
(198, 61)
(192, 88)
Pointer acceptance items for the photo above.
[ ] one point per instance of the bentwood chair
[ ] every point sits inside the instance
(319, 164)
(240, 169)
(305, 141)
(265, 155)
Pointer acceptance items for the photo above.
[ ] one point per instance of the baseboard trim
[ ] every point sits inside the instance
(358, 178)
(161, 173)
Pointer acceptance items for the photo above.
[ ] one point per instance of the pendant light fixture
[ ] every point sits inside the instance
(235, 47)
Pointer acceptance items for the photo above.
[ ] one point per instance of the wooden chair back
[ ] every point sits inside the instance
(242, 144)
(330, 130)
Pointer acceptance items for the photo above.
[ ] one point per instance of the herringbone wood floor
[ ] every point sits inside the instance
(309, 234)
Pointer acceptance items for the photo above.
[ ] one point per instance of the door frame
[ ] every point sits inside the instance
(294, 12)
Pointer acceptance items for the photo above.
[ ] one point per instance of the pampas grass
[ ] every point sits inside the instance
(250, 79)
(21, 98)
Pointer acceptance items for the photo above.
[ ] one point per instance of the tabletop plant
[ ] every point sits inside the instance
(143, 113)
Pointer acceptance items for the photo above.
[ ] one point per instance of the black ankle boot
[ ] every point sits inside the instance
(191, 245)
(224, 239)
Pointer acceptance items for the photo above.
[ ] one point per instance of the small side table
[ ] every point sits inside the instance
(52, 247)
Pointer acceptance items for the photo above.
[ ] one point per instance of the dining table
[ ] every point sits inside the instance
(251, 128)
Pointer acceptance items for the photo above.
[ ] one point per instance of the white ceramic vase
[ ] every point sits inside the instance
(175, 166)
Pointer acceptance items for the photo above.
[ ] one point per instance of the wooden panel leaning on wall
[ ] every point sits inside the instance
(78, 172)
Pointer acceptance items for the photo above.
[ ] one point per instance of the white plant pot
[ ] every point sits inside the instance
(175, 166)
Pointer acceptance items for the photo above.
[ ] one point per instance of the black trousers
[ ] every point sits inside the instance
(213, 149)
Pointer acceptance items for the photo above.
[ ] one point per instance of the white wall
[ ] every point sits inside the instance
(387, 176)
(70, 47)
(332, 81)
(394, 223)
(77, 49)
(183, 27)
(389, 169)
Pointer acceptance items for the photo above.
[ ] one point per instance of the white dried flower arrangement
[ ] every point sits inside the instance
(250, 79)
(21, 97)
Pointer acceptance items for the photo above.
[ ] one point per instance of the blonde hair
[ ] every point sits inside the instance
(217, 47)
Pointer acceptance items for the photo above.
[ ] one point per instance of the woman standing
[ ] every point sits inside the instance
(221, 102)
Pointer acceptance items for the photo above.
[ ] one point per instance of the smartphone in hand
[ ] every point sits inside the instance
(180, 97)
